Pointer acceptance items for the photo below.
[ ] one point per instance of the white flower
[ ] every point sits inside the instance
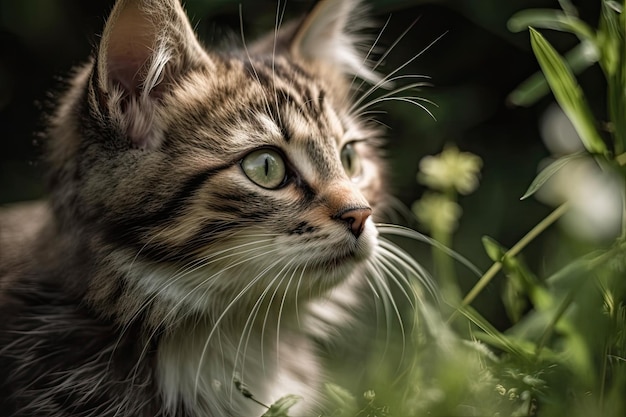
(437, 212)
(451, 169)
(594, 195)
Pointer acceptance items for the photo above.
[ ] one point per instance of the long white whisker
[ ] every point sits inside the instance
(245, 47)
(411, 266)
(280, 312)
(393, 273)
(389, 301)
(282, 276)
(398, 69)
(388, 94)
(369, 52)
(412, 234)
(279, 19)
(297, 296)
(382, 58)
(411, 100)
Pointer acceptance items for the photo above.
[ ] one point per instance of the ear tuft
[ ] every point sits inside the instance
(329, 34)
(146, 46)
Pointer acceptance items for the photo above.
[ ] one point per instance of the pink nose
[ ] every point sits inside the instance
(355, 219)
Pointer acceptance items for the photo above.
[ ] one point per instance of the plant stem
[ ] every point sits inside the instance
(444, 264)
(515, 250)
(444, 269)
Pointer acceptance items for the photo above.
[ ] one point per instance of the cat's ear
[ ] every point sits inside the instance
(146, 46)
(329, 34)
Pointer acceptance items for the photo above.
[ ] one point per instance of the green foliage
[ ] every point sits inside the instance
(548, 172)
(567, 92)
(281, 407)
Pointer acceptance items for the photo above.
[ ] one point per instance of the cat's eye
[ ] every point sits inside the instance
(351, 161)
(265, 168)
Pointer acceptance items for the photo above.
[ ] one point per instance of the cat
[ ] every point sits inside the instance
(209, 221)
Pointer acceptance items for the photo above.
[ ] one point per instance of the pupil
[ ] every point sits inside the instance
(267, 166)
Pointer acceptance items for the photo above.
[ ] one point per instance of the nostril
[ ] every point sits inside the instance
(355, 218)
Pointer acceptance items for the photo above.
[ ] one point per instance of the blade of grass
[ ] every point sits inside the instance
(567, 93)
(579, 58)
(548, 172)
(610, 38)
(496, 338)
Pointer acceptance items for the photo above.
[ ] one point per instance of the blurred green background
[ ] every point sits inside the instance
(473, 68)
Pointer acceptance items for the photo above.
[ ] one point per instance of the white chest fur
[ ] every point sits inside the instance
(197, 367)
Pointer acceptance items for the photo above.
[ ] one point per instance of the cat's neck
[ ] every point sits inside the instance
(200, 363)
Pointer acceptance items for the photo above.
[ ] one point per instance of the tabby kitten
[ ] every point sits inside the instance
(209, 220)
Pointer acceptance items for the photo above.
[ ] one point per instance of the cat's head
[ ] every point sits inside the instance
(234, 170)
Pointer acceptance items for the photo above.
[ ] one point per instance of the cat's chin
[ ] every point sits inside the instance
(340, 264)
(348, 258)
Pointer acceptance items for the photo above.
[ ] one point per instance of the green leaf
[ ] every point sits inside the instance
(550, 19)
(520, 281)
(548, 172)
(494, 250)
(281, 407)
(614, 6)
(611, 40)
(567, 93)
(568, 7)
(579, 58)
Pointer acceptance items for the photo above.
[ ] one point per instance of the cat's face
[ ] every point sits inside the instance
(227, 171)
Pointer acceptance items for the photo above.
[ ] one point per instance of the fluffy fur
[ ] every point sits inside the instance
(158, 271)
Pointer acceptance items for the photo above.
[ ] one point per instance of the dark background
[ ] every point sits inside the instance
(474, 66)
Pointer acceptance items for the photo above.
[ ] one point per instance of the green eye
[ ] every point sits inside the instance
(351, 161)
(265, 168)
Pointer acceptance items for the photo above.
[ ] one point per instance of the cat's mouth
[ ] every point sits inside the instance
(348, 257)
(339, 261)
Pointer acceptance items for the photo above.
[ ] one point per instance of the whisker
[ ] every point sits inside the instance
(411, 100)
(411, 266)
(388, 301)
(245, 47)
(397, 212)
(369, 52)
(278, 21)
(297, 296)
(392, 272)
(390, 93)
(382, 58)
(280, 313)
(269, 306)
(386, 79)
(412, 234)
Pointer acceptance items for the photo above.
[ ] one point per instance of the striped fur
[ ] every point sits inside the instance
(162, 271)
